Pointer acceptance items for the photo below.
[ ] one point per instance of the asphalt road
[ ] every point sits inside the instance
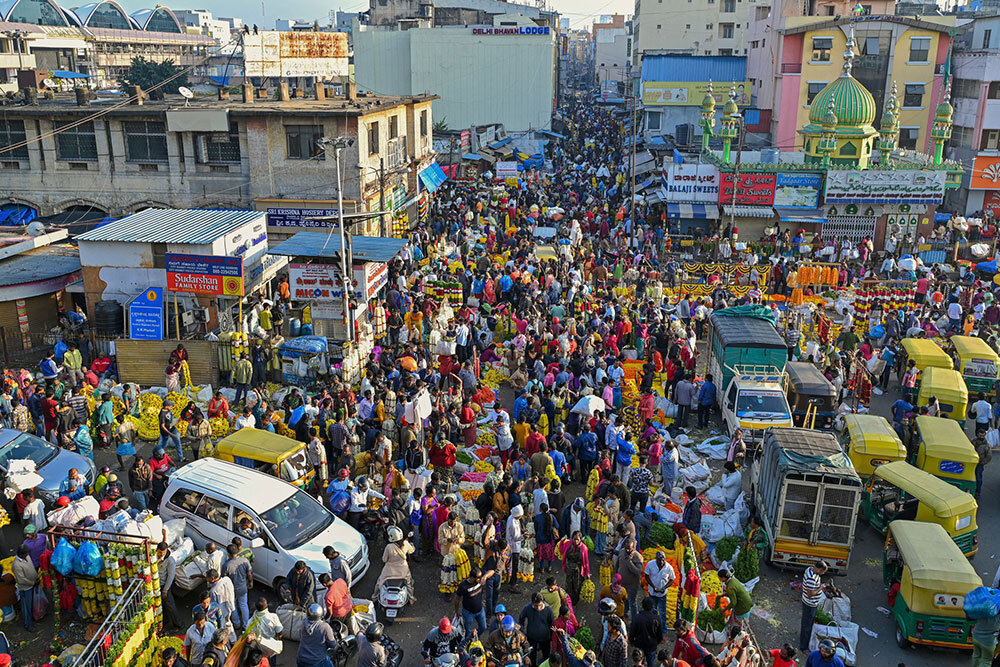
(773, 595)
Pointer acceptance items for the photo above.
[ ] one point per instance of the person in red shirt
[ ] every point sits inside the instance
(442, 457)
(783, 657)
(90, 377)
(218, 406)
(687, 647)
(49, 406)
(468, 418)
(534, 441)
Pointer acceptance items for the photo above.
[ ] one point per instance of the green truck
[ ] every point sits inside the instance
(742, 336)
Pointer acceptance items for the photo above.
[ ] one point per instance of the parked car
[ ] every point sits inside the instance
(280, 522)
(52, 463)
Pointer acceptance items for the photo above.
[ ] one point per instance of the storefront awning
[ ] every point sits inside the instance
(800, 215)
(741, 211)
(496, 145)
(433, 176)
(363, 248)
(693, 211)
(472, 156)
(548, 133)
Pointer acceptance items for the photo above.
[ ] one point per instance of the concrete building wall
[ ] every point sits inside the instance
(701, 27)
(481, 79)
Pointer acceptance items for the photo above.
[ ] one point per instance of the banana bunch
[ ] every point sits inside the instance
(220, 427)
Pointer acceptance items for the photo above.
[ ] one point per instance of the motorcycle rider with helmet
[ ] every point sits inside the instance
(441, 640)
(360, 495)
(317, 638)
(371, 653)
(506, 645)
(394, 564)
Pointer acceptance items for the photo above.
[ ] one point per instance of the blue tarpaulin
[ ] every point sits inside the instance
(499, 144)
(433, 176)
(15, 214)
(66, 74)
(296, 347)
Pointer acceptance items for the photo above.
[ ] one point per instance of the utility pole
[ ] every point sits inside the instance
(635, 137)
(381, 197)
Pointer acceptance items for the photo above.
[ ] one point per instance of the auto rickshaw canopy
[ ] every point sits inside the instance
(872, 435)
(926, 353)
(944, 439)
(947, 384)
(971, 346)
(942, 498)
(933, 564)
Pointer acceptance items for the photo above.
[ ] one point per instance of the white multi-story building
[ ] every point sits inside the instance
(697, 27)
(504, 72)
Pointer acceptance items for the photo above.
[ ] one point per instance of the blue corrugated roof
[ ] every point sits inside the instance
(694, 68)
(364, 248)
(166, 225)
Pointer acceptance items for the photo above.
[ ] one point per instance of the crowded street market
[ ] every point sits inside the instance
(567, 430)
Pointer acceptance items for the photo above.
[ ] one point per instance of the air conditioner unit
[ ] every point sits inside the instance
(187, 318)
(201, 314)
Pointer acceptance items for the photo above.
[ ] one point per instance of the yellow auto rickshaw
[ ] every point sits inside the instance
(924, 354)
(949, 388)
(933, 579)
(945, 451)
(978, 363)
(269, 453)
(870, 441)
(897, 490)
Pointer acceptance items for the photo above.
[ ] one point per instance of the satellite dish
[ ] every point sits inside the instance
(186, 94)
(49, 83)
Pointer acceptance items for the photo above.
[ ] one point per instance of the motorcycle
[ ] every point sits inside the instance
(347, 644)
(373, 523)
(393, 596)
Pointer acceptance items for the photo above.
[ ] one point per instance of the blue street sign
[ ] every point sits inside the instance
(145, 315)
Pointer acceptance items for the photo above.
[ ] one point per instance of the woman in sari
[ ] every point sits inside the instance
(576, 565)
(81, 438)
(428, 504)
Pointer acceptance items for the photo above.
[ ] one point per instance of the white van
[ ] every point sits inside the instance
(289, 525)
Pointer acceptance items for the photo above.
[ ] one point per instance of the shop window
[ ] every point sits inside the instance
(12, 132)
(821, 49)
(920, 48)
(373, 139)
(908, 137)
(913, 96)
(145, 141)
(302, 142)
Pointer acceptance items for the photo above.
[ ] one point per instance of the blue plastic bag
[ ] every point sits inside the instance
(88, 560)
(340, 501)
(62, 557)
(982, 602)
(877, 331)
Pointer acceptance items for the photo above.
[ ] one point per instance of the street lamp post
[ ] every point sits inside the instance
(338, 145)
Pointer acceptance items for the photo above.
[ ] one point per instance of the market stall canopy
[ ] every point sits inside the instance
(433, 176)
(693, 211)
(800, 215)
(363, 248)
(66, 74)
(545, 232)
(549, 133)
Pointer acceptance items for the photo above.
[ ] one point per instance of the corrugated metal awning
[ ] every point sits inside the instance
(741, 211)
(163, 225)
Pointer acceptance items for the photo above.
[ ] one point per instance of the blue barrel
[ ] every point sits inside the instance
(306, 330)
(294, 327)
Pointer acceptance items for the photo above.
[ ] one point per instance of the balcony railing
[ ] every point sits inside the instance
(791, 68)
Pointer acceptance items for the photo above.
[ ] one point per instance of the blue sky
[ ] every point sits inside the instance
(580, 12)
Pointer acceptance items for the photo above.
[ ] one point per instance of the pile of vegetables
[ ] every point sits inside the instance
(726, 547)
(586, 638)
(660, 535)
(747, 564)
(823, 618)
(712, 620)
(463, 457)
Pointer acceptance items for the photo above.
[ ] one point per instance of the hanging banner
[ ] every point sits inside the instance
(985, 173)
(315, 282)
(205, 274)
(751, 189)
(872, 186)
(797, 190)
(691, 183)
(991, 202)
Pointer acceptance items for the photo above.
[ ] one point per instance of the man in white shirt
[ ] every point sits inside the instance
(660, 576)
(198, 636)
(223, 594)
(983, 412)
(34, 511)
(267, 626)
(954, 317)
(245, 420)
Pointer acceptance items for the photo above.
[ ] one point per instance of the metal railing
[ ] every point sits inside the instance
(131, 604)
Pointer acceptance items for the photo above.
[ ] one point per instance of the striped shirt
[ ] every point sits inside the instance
(812, 588)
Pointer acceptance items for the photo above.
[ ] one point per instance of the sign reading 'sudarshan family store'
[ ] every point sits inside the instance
(695, 183)
(884, 187)
(205, 274)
